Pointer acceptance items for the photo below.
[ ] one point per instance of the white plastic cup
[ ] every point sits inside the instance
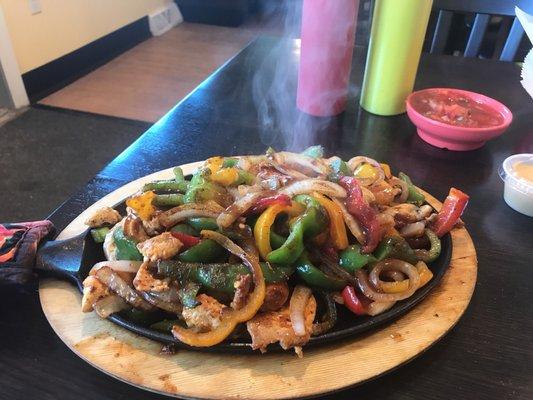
(517, 192)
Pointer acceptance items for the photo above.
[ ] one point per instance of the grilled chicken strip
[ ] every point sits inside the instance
(160, 247)
(275, 326)
(93, 290)
(103, 216)
(144, 281)
(204, 317)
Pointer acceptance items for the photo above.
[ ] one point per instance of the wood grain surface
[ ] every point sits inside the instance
(189, 374)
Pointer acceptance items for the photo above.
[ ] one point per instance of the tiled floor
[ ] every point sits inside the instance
(148, 80)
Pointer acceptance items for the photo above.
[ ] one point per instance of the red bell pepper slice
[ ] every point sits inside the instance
(187, 240)
(451, 211)
(357, 206)
(262, 204)
(352, 301)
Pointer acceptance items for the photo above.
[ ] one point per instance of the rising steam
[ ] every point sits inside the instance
(275, 84)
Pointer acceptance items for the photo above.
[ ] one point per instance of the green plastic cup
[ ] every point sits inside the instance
(396, 39)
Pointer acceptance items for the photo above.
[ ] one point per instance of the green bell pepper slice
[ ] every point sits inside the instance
(169, 185)
(126, 248)
(204, 252)
(339, 168)
(219, 277)
(415, 196)
(230, 162)
(314, 151)
(314, 276)
(168, 200)
(178, 184)
(245, 178)
(201, 189)
(203, 223)
(309, 224)
(180, 179)
(351, 258)
(395, 247)
(435, 248)
(187, 294)
(276, 240)
(99, 234)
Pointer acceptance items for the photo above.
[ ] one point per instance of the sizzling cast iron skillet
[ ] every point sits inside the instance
(72, 259)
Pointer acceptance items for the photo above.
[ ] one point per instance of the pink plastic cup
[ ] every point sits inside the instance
(458, 138)
(328, 34)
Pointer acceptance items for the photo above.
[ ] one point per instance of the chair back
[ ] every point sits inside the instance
(510, 32)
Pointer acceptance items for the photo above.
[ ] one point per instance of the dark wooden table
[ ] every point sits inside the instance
(488, 355)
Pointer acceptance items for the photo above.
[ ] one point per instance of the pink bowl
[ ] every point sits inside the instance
(453, 137)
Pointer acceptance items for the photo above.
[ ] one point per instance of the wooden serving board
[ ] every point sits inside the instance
(137, 360)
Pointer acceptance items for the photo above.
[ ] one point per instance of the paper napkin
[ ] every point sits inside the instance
(527, 69)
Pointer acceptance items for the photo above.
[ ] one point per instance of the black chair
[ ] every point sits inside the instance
(506, 47)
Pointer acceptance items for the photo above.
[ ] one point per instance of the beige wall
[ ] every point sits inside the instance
(66, 25)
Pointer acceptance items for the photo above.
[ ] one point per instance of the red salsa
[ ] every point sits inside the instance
(454, 108)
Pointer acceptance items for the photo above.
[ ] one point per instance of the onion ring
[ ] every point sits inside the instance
(287, 171)
(109, 305)
(119, 266)
(387, 264)
(307, 186)
(395, 265)
(300, 297)
(404, 194)
(300, 161)
(178, 214)
(234, 211)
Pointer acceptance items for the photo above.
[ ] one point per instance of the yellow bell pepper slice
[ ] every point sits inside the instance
(214, 164)
(142, 204)
(424, 272)
(395, 287)
(337, 229)
(263, 225)
(386, 169)
(225, 176)
(401, 286)
(366, 171)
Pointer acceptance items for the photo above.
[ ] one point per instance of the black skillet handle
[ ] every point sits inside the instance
(62, 258)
